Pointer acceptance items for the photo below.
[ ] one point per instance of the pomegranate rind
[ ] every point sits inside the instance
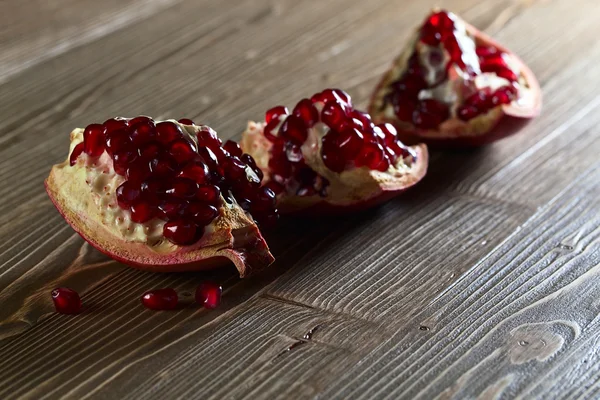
(236, 238)
(497, 123)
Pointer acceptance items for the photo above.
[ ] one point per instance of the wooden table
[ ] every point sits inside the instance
(482, 281)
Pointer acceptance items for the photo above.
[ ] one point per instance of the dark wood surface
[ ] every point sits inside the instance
(483, 281)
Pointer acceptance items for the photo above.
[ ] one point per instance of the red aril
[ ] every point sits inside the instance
(160, 299)
(66, 301)
(208, 295)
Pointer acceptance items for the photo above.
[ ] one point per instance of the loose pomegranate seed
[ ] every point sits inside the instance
(208, 294)
(333, 115)
(307, 112)
(143, 212)
(233, 148)
(275, 112)
(186, 121)
(66, 301)
(142, 133)
(127, 194)
(75, 154)
(294, 129)
(160, 299)
(93, 140)
(180, 232)
(167, 132)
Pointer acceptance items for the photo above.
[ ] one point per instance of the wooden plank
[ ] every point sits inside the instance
(32, 31)
(512, 322)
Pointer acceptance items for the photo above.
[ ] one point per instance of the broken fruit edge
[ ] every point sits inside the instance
(502, 122)
(245, 246)
(297, 205)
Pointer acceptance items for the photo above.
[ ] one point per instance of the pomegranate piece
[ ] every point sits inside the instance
(66, 301)
(458, 87)
(332, 159)
(160, 299)
(208, 294)
(152, 190)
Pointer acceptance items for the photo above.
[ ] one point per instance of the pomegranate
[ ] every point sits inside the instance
(454, 85)
(160, 299)
(66, 301)
(163, 196)
(208, 294)
(325, 156)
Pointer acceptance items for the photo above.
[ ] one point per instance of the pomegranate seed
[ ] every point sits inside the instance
(208, 294)
(384, 164)
(377, 136)
(138, 171)
(180, 232)
(293, 153)
(93, 140)
(275, 187)
(235, 169)
(294, 129)
(307, 112)
(160, 299)
(75, 154)
(331, 158)
(186, 121)
(414, 67)
(390, 133)
(404, 109)
(430, 35)
(430, 114)
(508, 75)
(333, 115)
(162, 167)
(275, 112)
(198, 172)
(142, 212)
(454, 50)
(370, 156)
(182, 150)
(172, 209)
(350, 140)
(167, 132)
(336, 96)
(269, 128)
(66, 301)
(114, 124)
(142, 133)
(264, 200)
(202, 214)
(363, 117)
(209, 194)
(122, 160)
(280, 166)
(141, 118)
(494, 61)
(467, 113)
(127, 194)
(208, 137)
(409, 87)
(208, 156)
(117, 141)
(233, 148)
(485, 51)
(182, 188)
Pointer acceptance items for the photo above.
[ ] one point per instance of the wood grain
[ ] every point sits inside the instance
(479, 282)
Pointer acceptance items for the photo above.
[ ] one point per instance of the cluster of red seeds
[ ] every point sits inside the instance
(171, 178)
(439, 32)
(351, 141)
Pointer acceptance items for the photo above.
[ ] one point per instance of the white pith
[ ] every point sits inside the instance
(455, 89)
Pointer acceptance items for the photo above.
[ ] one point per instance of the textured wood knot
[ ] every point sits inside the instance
(538, 341)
